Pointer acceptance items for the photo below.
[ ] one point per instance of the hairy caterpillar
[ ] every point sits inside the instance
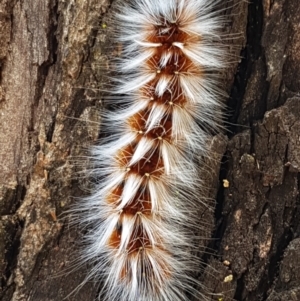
(143, 212)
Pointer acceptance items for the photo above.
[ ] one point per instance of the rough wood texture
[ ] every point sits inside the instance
(50, 57)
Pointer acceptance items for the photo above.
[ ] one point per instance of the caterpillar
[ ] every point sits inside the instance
(142, 215)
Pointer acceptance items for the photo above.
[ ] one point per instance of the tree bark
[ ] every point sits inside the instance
(53, 54)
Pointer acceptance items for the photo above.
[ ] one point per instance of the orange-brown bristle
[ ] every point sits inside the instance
(124, 155)
(173, 34)
(178, 62)
(115, 238)
(138, 206)
(162, 131)
(114, 196)
(146, 268)
(138, 240)
(151, 163)
(141, 201)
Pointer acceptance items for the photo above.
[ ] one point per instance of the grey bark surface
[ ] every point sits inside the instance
(52, 57)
